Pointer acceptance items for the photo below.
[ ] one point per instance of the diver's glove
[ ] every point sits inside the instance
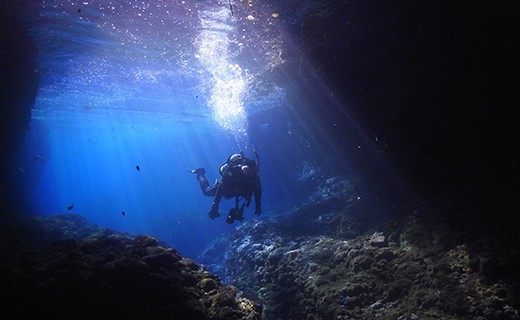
(213, 213)
(258, 210)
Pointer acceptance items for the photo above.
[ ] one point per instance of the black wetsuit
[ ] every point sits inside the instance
(233, 183)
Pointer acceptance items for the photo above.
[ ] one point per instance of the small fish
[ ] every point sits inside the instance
(38, 157)
(123, 213)
(392, 224)
(70, 207)
(138, 168)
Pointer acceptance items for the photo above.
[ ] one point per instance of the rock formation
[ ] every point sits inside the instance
(61, 267)
(19, 78)
(336, 258)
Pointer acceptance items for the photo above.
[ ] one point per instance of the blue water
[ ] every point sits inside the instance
(91, 163)
(133, 94)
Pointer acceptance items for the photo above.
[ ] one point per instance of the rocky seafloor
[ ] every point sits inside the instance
(62, 267)
(334, 257)
(337, 258)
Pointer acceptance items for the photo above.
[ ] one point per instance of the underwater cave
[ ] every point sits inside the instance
(383, 135)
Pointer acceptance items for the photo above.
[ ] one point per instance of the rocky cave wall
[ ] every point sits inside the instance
(434, 85)
(19, 79)
(339, 258)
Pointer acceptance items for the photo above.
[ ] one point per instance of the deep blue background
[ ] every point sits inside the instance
(91, 164)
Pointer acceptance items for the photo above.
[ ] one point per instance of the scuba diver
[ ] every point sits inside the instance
(239, 179)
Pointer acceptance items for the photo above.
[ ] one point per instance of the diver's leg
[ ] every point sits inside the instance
(208, 190)
(217, 191)
(205, 187)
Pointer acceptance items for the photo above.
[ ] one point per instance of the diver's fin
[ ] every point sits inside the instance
(197, 171)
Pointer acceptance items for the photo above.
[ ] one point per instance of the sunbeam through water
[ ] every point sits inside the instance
(164, 87)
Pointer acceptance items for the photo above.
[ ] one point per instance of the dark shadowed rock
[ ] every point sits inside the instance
(108, 275)
(425, 274)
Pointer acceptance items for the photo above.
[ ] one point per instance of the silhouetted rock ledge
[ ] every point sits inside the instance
(62, 267)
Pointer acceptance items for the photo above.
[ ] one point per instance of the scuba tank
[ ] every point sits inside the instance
(233, 160)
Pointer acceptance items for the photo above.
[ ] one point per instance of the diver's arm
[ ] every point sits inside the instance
(257, 192)
(218, 195)
(219, 189)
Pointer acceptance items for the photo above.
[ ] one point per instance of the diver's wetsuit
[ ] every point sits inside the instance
(207, 189)
(233, 183)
